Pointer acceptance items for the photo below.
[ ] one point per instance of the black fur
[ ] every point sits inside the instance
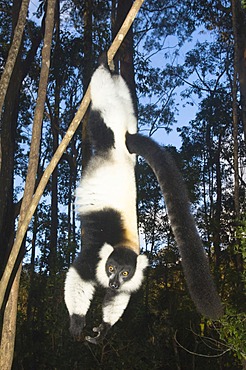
(101, 136)
(101, 227)
(194, 260)
(77, 324)
(123, 256)
(97, 228)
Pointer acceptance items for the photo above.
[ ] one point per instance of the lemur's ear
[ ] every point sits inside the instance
(135, 282)
(142, 262)
(105, 251)
(104, 254)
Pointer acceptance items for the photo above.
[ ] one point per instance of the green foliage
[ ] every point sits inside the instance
(232, 331)
(233, 324)
(240, 248)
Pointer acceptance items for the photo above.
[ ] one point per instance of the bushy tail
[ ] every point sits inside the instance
(194, 260)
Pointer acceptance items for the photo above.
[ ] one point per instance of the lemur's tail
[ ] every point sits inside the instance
(194, 260)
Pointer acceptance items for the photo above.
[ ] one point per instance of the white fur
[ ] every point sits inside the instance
(129, 286)
(111, 185)
(112, 97)
(114, 310)
(78, 293)
(125, 97)
(101, 274)
(136, 281)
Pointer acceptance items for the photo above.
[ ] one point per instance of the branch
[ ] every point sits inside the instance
(199, 354)
(58, 154)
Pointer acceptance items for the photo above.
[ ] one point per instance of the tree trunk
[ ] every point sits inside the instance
(239, 31)
(235, 121)
(9, 327)
(13, 51)
(218, 208)
(8, 139)
(55, 119)
(12, 83)
(126, 51)
(235, 107)
(86, 146)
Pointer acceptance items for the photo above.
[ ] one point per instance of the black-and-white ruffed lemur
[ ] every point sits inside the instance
(106, 199)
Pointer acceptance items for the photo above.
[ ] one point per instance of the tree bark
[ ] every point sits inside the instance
(239, 31)
(235, 108)
(9, 329)
(126, 52)
(218, 207)
(8, 144)
(13, 53)
(11, 82)
(55, 132)
(86, 146)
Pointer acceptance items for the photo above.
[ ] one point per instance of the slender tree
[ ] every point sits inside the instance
(13, 53)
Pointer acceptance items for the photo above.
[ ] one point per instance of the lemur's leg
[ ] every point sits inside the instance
(78, 295)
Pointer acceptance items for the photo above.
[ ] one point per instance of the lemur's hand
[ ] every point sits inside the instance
(102, 330)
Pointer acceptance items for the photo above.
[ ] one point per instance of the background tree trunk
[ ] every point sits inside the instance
(88, 67)
(13, 51)
(235, 5)
(8, 143)
(126, 51)
(12, 84)
(239, 31)
(55, 120)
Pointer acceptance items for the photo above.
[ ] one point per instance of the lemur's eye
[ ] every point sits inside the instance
(110, 268)
(125, 273)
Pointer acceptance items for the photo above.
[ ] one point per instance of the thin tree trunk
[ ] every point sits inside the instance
(11, 81)
(125, 53)
(55, 131)
(86, 146)
(235, 109)
(13, 53)
(239, 30)
(217, 215)
(9, 326)
(8, 210)
(31, 177)
(238, 257)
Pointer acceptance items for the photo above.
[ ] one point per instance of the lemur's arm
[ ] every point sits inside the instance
(113, 307)
(194, 260)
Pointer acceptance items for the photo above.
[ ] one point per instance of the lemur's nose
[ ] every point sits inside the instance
(113, 285)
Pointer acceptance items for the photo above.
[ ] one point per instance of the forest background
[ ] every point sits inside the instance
(185, 63)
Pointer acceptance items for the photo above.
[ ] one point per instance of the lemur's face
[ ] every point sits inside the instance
(120, 266)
